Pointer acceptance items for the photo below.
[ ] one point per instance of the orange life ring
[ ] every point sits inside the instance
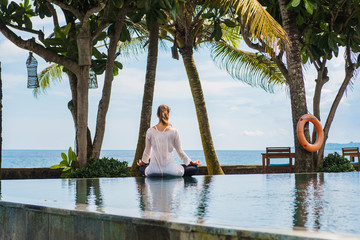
(301, 136)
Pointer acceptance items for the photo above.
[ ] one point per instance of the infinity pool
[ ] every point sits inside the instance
(326, 202)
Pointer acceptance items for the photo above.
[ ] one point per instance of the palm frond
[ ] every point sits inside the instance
(250, 68)
(140, 28)
(258, 22)
(133, 48)
(231, 35)
(139, 41)
(52, 73)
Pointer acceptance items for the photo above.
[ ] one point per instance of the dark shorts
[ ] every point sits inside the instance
(188, 170)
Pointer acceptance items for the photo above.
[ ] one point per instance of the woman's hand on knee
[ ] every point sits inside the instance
(140, 163)
(195, 163)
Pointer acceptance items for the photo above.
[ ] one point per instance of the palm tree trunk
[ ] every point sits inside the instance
(109, 76)
(147, 97)
(295, 80)
(212, 163)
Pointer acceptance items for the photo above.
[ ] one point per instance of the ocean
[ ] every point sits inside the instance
(47, 158)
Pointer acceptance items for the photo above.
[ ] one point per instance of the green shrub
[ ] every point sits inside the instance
(67, 163)
(334, 162)
(103, 167)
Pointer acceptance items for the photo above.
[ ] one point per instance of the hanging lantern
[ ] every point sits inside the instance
(92, 80)
(31, 65)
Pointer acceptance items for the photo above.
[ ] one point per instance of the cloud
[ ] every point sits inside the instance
(337, 62)
(173, 90)
(11, 52)
(255, 133)
(220, 88)
(208, 69)
(11, 81)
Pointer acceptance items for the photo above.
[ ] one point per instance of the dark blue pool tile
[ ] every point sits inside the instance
(113, 230)
(87, 227)
(2, 222)
(61, 226)
(15, 223)
(37, 225)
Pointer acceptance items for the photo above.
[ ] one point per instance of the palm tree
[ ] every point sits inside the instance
(190, 29)
(291, 71)
(185, 40)
(148, 95)
(267, 73)
(296, 85)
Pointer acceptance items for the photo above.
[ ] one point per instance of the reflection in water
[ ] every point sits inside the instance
(328, 201)
(308, 201)
(88, 192)
(162, 197)
(140, 182)
(204, 199)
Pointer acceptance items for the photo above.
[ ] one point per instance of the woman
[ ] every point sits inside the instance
(163, 139)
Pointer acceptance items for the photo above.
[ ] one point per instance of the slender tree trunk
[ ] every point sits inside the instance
(1, 97)
(148, 96)
(72, 106)
(349, 71)
(82, 116)
(295, 80)
(320, 81)
(72, 103)
(84, 44)
(212, 162)
(109, 76)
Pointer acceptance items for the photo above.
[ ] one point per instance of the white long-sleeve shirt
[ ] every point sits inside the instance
(162, 144)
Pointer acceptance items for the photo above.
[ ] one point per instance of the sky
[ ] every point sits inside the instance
(241, 117)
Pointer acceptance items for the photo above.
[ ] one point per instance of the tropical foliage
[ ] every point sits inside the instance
(103, 167)
(327, 27)
(334, 162)
(67, 163)
(196, 23)
(54, 73)
(251, 68)
(72, 45)
(187, 24)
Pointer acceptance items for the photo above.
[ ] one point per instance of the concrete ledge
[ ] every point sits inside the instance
(43, 173)
(24, 221)
(30, 173)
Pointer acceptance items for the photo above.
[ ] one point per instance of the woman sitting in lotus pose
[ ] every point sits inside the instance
(163, 139)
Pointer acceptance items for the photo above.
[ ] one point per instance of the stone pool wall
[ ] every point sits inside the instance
(43, 173)
(23, 221)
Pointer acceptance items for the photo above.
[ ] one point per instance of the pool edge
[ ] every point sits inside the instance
(27, 221)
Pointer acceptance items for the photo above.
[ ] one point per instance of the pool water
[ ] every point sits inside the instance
(325, 201)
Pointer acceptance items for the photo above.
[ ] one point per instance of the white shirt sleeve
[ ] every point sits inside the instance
(147, 150)
(177, 145)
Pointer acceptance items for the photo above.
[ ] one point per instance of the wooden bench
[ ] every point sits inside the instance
(352, 152)
(277, 152)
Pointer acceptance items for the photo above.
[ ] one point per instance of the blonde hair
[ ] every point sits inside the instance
(163, 114)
